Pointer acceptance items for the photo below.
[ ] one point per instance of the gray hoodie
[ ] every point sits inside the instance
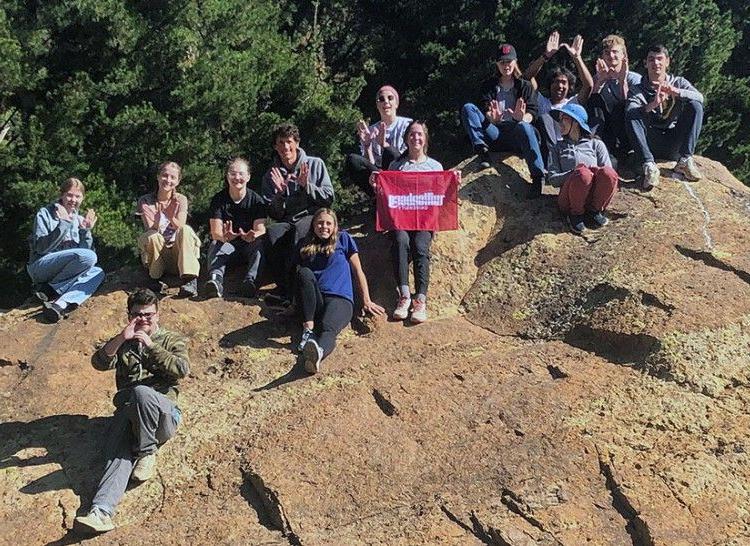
(567, 155)
(666, 116)
(295, 200)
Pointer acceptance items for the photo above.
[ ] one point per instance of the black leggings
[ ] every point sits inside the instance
(414, 244)
(330, 313)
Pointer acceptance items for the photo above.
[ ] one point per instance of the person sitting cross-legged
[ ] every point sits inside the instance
(149, 362)
(664, 119)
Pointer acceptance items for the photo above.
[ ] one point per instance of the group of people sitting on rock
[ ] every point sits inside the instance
(565, 140)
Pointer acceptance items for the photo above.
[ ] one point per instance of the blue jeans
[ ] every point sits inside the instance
(651, 142)
(72, 273)
(507, 136)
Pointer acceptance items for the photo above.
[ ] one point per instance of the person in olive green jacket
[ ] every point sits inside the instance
(148, 361)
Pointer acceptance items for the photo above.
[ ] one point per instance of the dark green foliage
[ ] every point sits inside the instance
(107, 89)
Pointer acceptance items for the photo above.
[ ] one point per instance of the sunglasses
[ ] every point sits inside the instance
(383, 98)
(142, 315)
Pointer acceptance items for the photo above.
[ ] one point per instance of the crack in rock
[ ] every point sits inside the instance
(384, 404)
(476, 529)
(515, 504)
(265, 501)
(63, 513)
(635, 525)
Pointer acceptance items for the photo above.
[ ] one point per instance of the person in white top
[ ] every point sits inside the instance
(381, 142)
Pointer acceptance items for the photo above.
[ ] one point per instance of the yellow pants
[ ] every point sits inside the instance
(181, 257)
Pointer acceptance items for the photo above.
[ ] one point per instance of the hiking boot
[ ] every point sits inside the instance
(96, 521)
(189, 288)
(419, 312)
(52, 312)
(144, 468)
(214, 287)
(402, 309)
(44, 292)
(651, 176)
(577, 224)
(312, 354)
(306, 335)
(248, 289)
(687, 168)
(483, 156)
(598, 219)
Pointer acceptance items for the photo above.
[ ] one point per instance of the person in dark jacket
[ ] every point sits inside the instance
(294, 187)
(504, 120)
(148, 361)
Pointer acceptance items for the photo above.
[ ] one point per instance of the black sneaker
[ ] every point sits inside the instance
(157, 286)
(44, 292)
(306, 336)
(597, 219)
(248, 289)
(577, 224)
(483, 156)
(214, 287)
(189, 288)
(52, 312)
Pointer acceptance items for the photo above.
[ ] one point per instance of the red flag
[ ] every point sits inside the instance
(417, 200)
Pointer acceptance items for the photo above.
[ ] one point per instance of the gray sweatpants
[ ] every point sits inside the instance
(145, 421)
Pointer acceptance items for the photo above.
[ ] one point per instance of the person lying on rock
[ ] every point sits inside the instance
(62, 261)
(148, 361)
(414, 245)
(294, 188)
(168, 244)
(381, 142)
(664, 119)
(613, 81)
(581, 167)
(562, 83)
(504, 122)
(238, 228)
(328, 259)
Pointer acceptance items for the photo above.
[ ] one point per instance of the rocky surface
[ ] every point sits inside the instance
(569, 390)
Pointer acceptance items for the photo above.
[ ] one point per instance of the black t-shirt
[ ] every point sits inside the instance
(242, 214)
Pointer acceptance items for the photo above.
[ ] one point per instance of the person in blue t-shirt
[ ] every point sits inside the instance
(328, 258)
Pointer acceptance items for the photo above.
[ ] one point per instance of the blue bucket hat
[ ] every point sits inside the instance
(575, 111)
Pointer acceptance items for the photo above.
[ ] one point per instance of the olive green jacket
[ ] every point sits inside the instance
(160, 367)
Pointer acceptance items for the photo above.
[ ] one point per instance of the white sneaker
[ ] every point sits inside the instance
(687, 168)
(402, 309)
(312, 354)
(96, 521)
(419, 312)
(144, 468)
(651, 176)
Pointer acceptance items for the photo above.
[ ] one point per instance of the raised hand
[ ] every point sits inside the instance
(62, 212)
(363, 132)
(304, 175)
(89, 220)
(553, 44)
(519, 111)
(381, 134)
(603, 71)
(229, 233)
(247, 236)
(494, 113)
(624, 68)
(576, 46)
(279, 183)
(143, 337)
(129, 331)
(374, 179)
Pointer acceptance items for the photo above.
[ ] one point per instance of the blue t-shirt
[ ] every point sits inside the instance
(333, 272)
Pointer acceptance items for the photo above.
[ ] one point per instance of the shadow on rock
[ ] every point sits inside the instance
(616, 347)
(70, 441)
(712, 261)
(296, 372)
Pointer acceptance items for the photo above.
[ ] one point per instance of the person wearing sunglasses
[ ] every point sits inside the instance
(379, 143)
(148, 361)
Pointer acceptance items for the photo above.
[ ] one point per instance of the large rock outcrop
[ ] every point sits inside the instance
(569, 390)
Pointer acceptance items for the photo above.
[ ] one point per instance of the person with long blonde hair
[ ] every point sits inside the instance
(62, 261)
(168, 243)
(328, 260)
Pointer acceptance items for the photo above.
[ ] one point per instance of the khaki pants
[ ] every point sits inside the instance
(182, 257)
